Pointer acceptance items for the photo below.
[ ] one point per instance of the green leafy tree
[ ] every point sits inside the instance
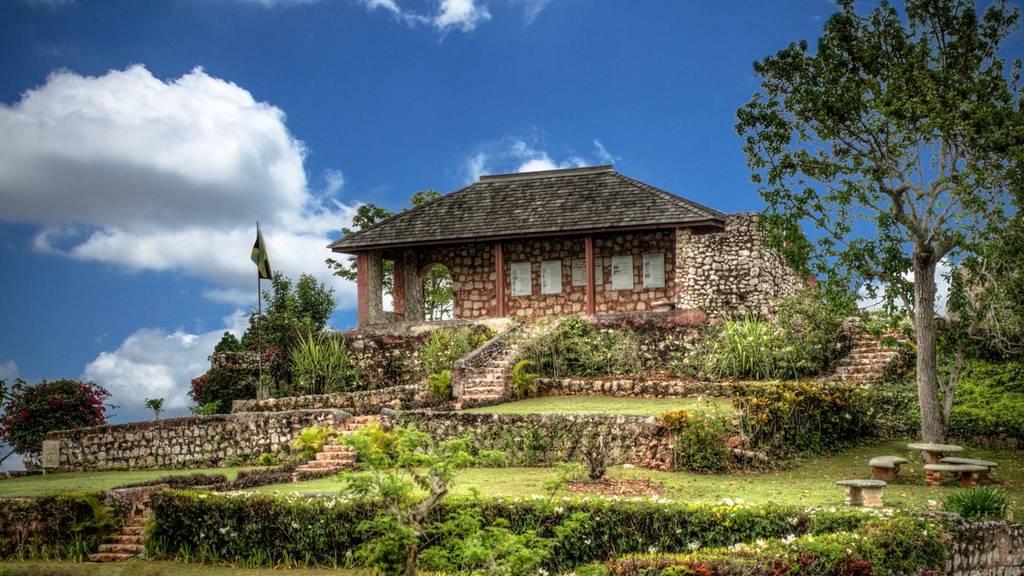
(410, 474)
(228, 343)
(156, 405)
(33, 410)
(900, 139)
(437, 284)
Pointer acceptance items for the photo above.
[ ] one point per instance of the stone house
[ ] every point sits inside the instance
(576, 241)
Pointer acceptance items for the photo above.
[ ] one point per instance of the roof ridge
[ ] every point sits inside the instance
(674, 197)
(547, 173)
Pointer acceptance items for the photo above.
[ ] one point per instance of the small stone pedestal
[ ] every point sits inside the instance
(866, 493)
(886, 468)
(968, 473)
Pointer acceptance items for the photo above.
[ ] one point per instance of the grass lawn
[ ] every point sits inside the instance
(812, 483)
(147, 568)
(92, 481)
(603, 405)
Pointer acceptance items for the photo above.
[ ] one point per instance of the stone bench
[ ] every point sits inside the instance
(982, 476)
(967, 473)
(867, 493)
(886, 467)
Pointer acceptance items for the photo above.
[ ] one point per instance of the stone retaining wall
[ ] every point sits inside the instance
(630, 388)
(544, 439)
(990, 548)
(182, 442)
(367, 402)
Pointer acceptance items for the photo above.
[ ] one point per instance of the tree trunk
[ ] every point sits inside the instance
(932, 429)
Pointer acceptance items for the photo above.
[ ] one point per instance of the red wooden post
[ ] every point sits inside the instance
(499, 278)
(589, 265)
(362, 288)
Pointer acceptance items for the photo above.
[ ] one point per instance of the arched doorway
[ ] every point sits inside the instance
(438, 292)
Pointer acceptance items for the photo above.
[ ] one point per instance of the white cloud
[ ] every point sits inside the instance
(145, 174)
(525, 155)
(463, 15)
(8, 370)
(154, 363)
(942, 277)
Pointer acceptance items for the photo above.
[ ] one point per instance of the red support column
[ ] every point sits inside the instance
(589, 266)
(362, 288)
(499, 278)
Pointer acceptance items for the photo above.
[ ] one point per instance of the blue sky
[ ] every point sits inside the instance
(141, 140)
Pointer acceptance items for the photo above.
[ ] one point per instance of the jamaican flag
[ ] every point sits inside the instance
(260, 256)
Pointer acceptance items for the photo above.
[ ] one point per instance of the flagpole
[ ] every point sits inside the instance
(259, 315)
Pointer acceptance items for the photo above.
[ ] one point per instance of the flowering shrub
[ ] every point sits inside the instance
(699, 440)
(34, 410)
(880, 547)
(267, 530)
(783, 418)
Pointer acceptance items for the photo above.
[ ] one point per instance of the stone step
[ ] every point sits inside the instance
(127, 539)
(110, 557)
(322, 465)
(120, 549)
(132, 529)
(338, 449)
(336, 457)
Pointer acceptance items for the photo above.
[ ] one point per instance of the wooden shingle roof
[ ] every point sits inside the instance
(552, 202)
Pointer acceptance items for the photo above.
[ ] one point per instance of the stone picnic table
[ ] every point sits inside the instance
(931, 452)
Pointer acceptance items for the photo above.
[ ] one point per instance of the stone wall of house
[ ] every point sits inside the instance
(544, 439)
(633, 388)
(731, 272)
(183, 442)
(989, 548)
(362, 403)
(472, 270)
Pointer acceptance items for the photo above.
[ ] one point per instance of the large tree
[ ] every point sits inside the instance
(900, 140)
(437, 284)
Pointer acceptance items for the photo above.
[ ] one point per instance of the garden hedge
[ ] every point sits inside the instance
(267, 530)
(66, 526)
(880, 547)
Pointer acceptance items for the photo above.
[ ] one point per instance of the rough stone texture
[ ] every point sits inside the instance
(869, 360)
(245, 360)
(989, 548)
(629, 388)
(188, 441)
(541, 439)
(355, 403)
(731, 272)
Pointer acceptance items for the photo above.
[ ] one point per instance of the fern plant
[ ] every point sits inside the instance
(312, 440)
(981, 503)
(440, 384)
(524, 381)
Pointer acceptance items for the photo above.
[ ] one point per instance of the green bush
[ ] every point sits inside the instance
(524, 380)
(66, 526)
(790, 417)
(802, 340)
(444, 346)
(220, 386)
(312, 440)
(981, 503)
(268, 530)
(881, 547)
(699, 440)
(580, 348)
(989, 400)
(440, 384)
(182, 480)
(322, 364)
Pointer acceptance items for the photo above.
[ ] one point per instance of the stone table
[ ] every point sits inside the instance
(932, 453)
(867, 493)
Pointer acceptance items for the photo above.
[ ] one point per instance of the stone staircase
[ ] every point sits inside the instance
(128, 543)
(481, 377)
(335, 456)
(869, 360)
